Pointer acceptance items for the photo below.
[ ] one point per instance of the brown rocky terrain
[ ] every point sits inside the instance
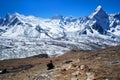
(74, 65)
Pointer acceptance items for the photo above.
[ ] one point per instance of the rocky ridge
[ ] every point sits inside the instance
(75, 65)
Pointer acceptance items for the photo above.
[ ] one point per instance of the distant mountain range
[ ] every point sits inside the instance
(98, 30)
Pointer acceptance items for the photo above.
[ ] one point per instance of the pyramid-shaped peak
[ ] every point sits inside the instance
(99, 8)
(99, 12)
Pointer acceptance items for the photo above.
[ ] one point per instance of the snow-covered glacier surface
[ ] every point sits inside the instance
(21, 48)
(24, 36)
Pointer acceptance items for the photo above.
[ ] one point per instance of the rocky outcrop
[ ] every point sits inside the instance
(41, 56)
(72, 70)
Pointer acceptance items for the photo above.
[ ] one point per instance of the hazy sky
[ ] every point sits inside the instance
(49, 8)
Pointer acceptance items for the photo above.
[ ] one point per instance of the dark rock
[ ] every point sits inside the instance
(68, 61)
(41, 56)
(3, 71)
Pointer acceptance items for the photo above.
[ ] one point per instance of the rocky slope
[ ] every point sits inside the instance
(75, 65)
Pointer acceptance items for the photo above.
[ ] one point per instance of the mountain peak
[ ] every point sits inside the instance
(8, 16)
(99, 8)
(16, 13)
(99, 12)
(101, 17)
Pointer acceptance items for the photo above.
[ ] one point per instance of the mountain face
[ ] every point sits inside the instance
(24, 36)
(101, 17)
(58, 26)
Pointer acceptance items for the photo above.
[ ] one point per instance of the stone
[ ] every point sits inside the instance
(82, 67)
(77, 73)
(90, 75)
(74, 78)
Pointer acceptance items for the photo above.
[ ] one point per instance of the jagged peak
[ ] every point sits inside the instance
(17, 14)
(117, 13)
(99, 8)
(99, 12)
(8, 16)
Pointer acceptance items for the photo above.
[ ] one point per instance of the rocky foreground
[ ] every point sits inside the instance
(75, 65)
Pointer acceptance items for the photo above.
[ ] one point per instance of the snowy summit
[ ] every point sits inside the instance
(25, 36)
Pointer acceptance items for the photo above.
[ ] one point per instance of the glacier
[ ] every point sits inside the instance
(25, 36)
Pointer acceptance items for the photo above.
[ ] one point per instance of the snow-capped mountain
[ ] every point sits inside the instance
(24, 36)
(58, 26)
